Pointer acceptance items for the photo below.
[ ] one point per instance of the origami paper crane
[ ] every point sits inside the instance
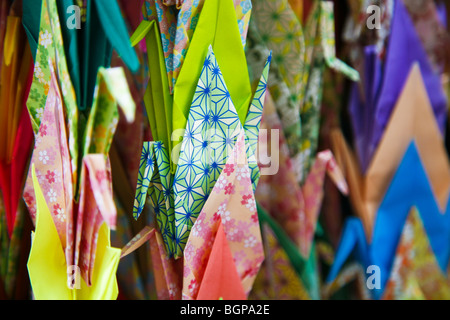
(282, 260)
(89, 47)
(47, 261)
(412, 118)
(415, 273)
(95, 206)
(165, 66)
(301, 68)
(277, 279)
(297, 214)
(157, 99)
(79, 203)
(171, 44)
(221, 31)
(404, 50)
(405, 191)
(50, 45)
(178, 23)
(227, 226)
(154, 173)
(212, 126)
(211, 130)
(275, 24)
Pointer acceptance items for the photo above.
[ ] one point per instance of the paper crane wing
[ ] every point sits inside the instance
(415, 273)
(96, 206)
(232, 203)
(362, 103)
(155, 180)
(253, 122)
(221, 279)
(408, 190)
(405, 191)
(52, 164)
(277, 279)
(168, 282)
(47, 266)
(403, 50)
(50, 52)
(212, 128)
(166, 16)
(157, 98)
(412, 118)
(221, 31)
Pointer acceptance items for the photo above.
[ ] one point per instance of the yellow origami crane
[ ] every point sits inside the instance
(47, 263)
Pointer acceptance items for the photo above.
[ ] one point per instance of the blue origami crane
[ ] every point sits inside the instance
(409, 188)
(211, 131)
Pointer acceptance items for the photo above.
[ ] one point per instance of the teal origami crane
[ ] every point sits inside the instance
(406, 190)
(155, 180)
(212, 128)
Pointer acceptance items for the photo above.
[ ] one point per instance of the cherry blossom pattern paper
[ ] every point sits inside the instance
(232, 203)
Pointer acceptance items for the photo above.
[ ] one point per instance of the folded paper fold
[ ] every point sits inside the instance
(297, 213)
(411, 119)
(155, 182)
(221, 280)
(49, 273)
(212, 127)
(403, 51)
(221, 31)
(233, 206)
(405, 192)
